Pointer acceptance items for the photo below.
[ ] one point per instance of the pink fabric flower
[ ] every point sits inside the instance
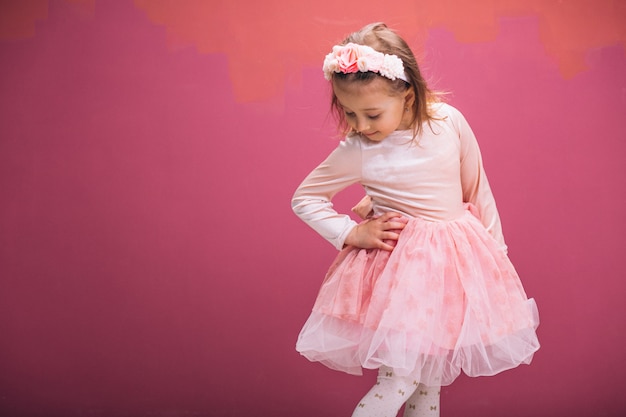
(348, 58)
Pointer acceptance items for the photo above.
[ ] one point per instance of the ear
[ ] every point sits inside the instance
(409, 98)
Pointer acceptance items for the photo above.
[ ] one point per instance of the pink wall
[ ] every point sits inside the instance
(149, 260)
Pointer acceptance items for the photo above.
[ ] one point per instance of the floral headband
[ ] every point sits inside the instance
(351, 58)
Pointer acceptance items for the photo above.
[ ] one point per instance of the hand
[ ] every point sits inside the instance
(364, 208)
(377, 233)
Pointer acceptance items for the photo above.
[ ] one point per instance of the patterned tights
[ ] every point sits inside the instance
(390, 392)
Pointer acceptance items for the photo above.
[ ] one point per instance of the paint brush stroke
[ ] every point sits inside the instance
(268, 42)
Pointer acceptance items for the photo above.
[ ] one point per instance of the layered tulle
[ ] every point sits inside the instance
(446, 299)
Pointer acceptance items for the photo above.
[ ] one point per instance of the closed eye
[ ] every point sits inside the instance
(351, 115)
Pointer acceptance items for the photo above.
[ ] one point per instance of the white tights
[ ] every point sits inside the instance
(390, 392)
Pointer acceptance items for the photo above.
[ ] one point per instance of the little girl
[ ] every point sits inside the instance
(423, 287)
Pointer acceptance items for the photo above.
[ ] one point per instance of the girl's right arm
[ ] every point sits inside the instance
(312, 203)
(312, 199)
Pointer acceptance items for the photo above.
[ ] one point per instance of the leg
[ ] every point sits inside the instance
(387, 396)
(423, 403)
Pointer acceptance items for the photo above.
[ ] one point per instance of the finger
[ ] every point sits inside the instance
(392, 216)
(391, 236)
(364, 204)
(389, 215)
(363, 213)
(394, 225)
(385, 246)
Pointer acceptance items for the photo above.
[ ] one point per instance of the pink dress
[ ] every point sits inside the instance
(447, 298)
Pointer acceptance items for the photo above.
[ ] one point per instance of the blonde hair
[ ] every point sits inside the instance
(385, 40)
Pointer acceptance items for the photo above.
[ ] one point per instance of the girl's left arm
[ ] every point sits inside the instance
(474, 181)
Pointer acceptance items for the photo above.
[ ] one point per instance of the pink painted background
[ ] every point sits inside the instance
(150, 264)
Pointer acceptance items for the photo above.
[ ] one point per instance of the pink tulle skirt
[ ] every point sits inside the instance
(446, 299)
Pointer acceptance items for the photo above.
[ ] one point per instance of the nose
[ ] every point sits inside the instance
(362, 125)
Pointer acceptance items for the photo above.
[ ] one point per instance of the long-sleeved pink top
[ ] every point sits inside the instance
(430, 177)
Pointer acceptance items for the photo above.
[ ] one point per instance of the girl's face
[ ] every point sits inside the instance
(372, 110)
